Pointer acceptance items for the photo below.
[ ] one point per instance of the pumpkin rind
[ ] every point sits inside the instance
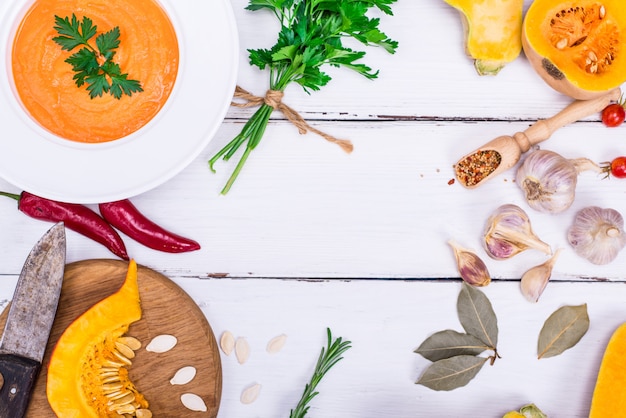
(492, 32)
(85, 345)
(577, 46)
(609, 395)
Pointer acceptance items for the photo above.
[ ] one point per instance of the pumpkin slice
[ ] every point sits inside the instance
(88, 371)
(578, 47)
(609, 395)
(493, 31)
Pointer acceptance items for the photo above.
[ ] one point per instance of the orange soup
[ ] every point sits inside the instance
(148, 52)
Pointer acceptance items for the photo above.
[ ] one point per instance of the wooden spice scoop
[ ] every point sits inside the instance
(510, 148)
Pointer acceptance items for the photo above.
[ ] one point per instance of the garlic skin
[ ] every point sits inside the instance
(548, 180)
(472, 268)
(535, 280)
(597, 234)
(508, 232)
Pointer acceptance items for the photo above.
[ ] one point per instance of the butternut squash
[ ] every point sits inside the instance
(88, 370)
(492, 32)
(609, 395)
(577, 46)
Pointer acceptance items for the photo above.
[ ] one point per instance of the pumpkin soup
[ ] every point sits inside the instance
(46, 85)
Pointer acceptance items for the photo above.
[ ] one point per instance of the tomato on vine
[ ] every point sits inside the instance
(616, 168)
(613, 115)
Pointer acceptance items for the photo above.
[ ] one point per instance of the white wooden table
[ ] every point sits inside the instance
(311, 237)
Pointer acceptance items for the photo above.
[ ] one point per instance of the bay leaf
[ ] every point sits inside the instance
(450, 343)
(562, 330)
(451, 373)
(477, 316)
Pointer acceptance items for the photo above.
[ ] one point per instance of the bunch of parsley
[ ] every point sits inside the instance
(310, 36)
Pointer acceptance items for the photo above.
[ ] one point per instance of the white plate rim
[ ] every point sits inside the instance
(37, 161)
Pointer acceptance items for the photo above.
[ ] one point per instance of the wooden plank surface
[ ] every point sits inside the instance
(311, 237)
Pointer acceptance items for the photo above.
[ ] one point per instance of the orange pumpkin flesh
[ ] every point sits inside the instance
(148, 52)
(577, 46)
(609, 395)
(86, 373)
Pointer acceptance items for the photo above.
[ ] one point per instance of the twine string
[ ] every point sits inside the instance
(273, 98)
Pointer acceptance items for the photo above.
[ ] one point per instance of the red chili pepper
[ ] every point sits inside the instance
(76, 217)
(123, 215)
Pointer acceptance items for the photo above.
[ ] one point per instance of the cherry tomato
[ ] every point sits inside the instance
(613, 115)
(618, 167)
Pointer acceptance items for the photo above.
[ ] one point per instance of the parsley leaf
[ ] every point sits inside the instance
(94, 66)
(310, 38)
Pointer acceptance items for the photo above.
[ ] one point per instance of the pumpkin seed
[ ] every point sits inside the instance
(122, 358)
(602, 12)
(111, 363)
(127, 399)
(118, 395)
(562, 43)
(162, 343)
(143, 413)
(111, 387)
(276, 344)
(125, 350)
(110, 379)
(193, 402)
(131, 342)
(242, 350)
(183, 376)
(227, 342)
(250, 394)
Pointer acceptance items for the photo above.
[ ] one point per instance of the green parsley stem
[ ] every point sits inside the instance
(252, 132)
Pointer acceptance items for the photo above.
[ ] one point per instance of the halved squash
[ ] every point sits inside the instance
(87, 374)
(609, 395)
(492, 32)
(578, 47)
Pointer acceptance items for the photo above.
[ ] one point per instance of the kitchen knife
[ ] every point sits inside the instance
(29, 321)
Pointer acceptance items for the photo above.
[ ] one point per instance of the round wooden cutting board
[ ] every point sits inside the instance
(166, 309)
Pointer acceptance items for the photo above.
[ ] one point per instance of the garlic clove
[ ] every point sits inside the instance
(535, 280)
(471, 267)
(597, 234)
(508, 232)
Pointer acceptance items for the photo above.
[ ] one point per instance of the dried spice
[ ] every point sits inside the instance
(562, 330)
(454, 354)
(472, 169)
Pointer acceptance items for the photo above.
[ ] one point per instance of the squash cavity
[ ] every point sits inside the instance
(576, 46)
(88, 370)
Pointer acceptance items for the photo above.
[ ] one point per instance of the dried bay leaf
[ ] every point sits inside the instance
(450, 343)
(451, 373)
(477, 316)
(562, 330)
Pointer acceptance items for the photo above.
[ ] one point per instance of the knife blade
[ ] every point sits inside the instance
(29, 321)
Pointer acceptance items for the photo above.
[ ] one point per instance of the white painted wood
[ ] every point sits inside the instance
(360, 225)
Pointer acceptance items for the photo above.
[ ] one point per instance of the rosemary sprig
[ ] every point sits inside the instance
(310, 37)
(327, 359)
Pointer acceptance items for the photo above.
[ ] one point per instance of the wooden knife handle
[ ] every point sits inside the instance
(18, 376)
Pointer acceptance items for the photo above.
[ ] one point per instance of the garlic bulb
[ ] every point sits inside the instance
(508, 232)
(548, 180)
(597, 234)
(471, 268)
(535, 280)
